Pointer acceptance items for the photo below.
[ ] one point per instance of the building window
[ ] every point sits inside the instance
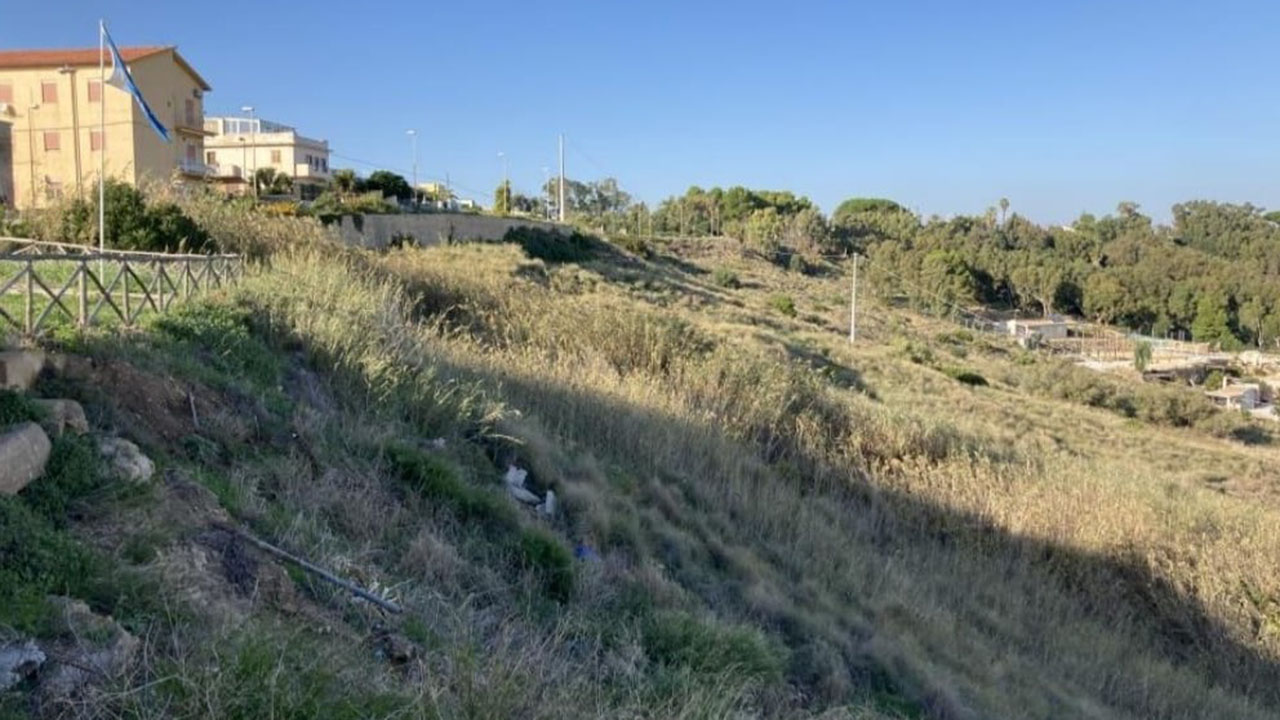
(210, 157)
(6, 94)
(52, 141)
(191, 154)
(275, 157)
(95, 91)
(52, 189)
(95, 140)
(324, 164)
(48, 92)
(190, 107)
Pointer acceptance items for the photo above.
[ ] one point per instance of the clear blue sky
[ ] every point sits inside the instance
(944, 106)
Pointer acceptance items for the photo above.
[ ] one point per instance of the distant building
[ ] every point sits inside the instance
(1054, 328)
(1238, 396)
(52, 139)
(237, 147)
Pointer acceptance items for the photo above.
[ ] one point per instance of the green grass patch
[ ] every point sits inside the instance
(263, 673)
(74, 469)
(16, 408)
(438, 480)
(725, 278)
(221, 336)
(38, 560)
(783, 304)
(678, 639)
(544, 556)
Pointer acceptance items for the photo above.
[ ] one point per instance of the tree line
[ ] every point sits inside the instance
(1212, 275)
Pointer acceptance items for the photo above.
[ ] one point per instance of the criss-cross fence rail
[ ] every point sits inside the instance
(43, 284)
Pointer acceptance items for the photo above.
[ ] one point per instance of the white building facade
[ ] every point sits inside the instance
(236, 148)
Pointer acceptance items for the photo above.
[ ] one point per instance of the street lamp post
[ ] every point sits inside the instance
(253, 144)
(506, 184)
(413, 141)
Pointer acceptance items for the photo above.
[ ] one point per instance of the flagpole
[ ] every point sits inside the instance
(102, 138)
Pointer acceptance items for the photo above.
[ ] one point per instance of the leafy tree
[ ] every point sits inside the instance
(269, 181)
(764, 231)
(502, 198)
(388, 183)
(1212, 320)
(859, 205)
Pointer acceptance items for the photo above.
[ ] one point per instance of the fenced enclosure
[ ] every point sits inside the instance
(43, 284)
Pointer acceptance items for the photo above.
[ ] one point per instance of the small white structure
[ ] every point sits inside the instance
(1052, 328)
(1241, 396)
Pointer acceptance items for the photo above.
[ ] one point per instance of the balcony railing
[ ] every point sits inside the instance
(195, 167)
(225, 170)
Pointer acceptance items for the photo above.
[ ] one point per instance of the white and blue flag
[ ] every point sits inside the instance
(121, 78)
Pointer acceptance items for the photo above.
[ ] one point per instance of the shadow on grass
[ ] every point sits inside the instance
(1113, 595)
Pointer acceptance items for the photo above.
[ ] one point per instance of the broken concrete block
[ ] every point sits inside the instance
(20, 368)
(24, 450)
(63, 414)
(19, 661)
(547, 508)
(127, 461)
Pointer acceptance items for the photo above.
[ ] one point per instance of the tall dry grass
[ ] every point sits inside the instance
(894, 555)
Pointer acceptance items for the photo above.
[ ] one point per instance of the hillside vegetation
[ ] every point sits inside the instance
(755, 519)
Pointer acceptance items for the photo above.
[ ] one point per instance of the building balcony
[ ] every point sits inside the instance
(184, 129)
(194, 168)
(305, 171)
(226, 171)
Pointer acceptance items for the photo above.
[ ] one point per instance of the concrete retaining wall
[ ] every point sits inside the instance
(377, 231)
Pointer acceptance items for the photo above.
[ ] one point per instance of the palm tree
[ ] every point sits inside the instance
(344, 180)
(1004, 209)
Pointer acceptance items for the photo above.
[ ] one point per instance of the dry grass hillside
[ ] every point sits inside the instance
(755, 518)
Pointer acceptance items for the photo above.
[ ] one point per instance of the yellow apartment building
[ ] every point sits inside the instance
(51, 104)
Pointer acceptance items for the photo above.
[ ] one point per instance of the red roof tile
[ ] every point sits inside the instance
(81, 57)
(75, 56)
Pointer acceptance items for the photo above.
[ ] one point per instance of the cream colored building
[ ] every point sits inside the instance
(51, 105)
(237, 147)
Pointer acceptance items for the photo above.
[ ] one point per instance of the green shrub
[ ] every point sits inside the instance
(16, 407)
(544, 555)
(916, 352)
(783, 304)
(552, 246)
(1142, 355)
(1214, 380)
(73, 470)
(725, 278)
(678, 639)
(633, 244)
(37, 560)
(438, 481)
(796, 264)
(135, 225)
(967, 377)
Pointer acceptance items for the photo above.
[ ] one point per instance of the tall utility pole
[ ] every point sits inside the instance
(560, 205)
(413, 141)
(506, 184)
(853, 304)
